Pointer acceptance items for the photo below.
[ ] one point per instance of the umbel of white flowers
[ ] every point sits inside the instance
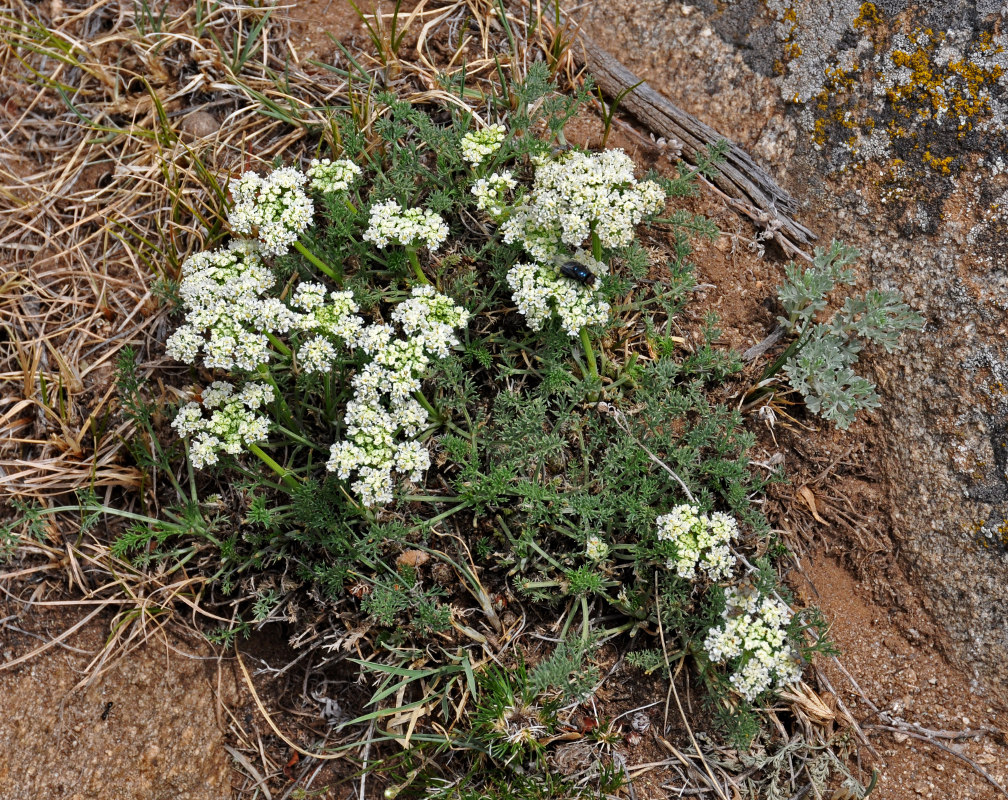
(491, 193)
(232, 424)
(328, 177)
(412, 227)
(274, 209)
(228, 316)
(478, 146)
(384, 418)
(331, 323)
(754, 637)
(699, 542)
(540, 291)
(572, 198)
(578, 194)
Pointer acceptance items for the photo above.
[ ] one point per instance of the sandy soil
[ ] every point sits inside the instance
(150, 725)
(887, 669)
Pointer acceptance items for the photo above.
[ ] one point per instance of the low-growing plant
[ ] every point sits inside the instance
(414, 397)
(819, 361)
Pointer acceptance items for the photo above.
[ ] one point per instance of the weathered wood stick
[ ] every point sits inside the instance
(738, 176)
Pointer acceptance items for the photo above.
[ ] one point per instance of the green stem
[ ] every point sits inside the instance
(612, 633)
(465, 434)
(569, 620)
(544, 554)
(278, 397)
(419, 397)
(294, 436)
(623, 378)
(596, 245)
(285, 475)
(100, 509)
(278, 344)
(426, 498)
(589, 353)
(446, 514)
(416, 265)
(789, 351)
(541, 584)
(338, 277)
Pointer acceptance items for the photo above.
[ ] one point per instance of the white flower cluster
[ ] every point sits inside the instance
(754, 635)
(539, 290)
(478, 146)
(222, 294)
(595, 548)
(431, 318)
(383, 419)
(232, 425)
(579, 193)
(701, 541)
(491, 191)
(332, 323)
(275, 209)
(390, 224)
(332, 176)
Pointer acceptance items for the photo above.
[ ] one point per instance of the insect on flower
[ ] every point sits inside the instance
(577, 271)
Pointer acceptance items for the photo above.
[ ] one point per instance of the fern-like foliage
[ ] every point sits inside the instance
(819, 363)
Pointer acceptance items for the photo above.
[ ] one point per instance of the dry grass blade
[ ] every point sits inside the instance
(269, 718)
(31, 655)
(804, 697)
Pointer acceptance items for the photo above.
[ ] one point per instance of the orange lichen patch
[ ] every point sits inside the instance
(787, 31)
(842, 79)
(868, 16)
(840, 84)
(961, 88)
(938, 164)
(820, 132)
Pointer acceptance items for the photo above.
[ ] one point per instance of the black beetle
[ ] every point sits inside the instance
(577, 271)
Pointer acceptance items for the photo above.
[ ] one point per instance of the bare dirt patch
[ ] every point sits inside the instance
(903, 677)
(151, 725)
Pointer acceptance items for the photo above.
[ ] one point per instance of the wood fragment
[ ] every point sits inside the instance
(747, 185)
(944, 747)
(769, 341)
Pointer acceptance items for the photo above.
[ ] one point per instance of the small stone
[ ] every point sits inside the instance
(200, 125)
(640, 722)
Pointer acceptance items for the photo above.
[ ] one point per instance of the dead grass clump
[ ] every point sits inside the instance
(117, 124)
